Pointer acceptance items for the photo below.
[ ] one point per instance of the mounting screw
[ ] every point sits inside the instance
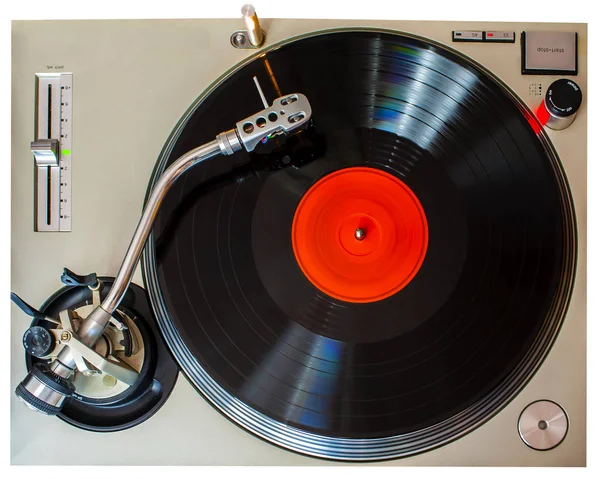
(239, 39)
(65, 336)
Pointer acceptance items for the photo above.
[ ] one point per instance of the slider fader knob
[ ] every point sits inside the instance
(560, 105)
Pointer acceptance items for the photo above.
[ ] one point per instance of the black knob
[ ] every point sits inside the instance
(560, 105)
(38, 341)
(563, 98)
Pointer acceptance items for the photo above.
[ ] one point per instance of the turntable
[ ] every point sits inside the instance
(359, 242)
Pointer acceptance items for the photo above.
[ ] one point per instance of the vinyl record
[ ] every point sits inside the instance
(331, 344)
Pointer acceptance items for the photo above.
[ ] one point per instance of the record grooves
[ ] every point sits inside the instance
(387, 375)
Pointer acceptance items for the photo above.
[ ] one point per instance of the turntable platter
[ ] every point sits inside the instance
(378, 359)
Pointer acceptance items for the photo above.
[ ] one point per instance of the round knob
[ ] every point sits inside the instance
(543, 425)
(38, 341)
(560, 105)
(44, 390)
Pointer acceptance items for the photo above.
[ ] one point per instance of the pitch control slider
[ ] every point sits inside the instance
(52, 151)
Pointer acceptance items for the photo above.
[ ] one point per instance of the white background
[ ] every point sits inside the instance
(463, 10)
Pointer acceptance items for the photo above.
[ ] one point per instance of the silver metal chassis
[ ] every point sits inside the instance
(149, 102)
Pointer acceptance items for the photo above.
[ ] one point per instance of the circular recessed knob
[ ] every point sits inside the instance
(543, 425)
(560, 105)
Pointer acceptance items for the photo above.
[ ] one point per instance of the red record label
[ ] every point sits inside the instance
(360, 235)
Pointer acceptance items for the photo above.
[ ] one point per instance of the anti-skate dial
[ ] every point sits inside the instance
(38, 341)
